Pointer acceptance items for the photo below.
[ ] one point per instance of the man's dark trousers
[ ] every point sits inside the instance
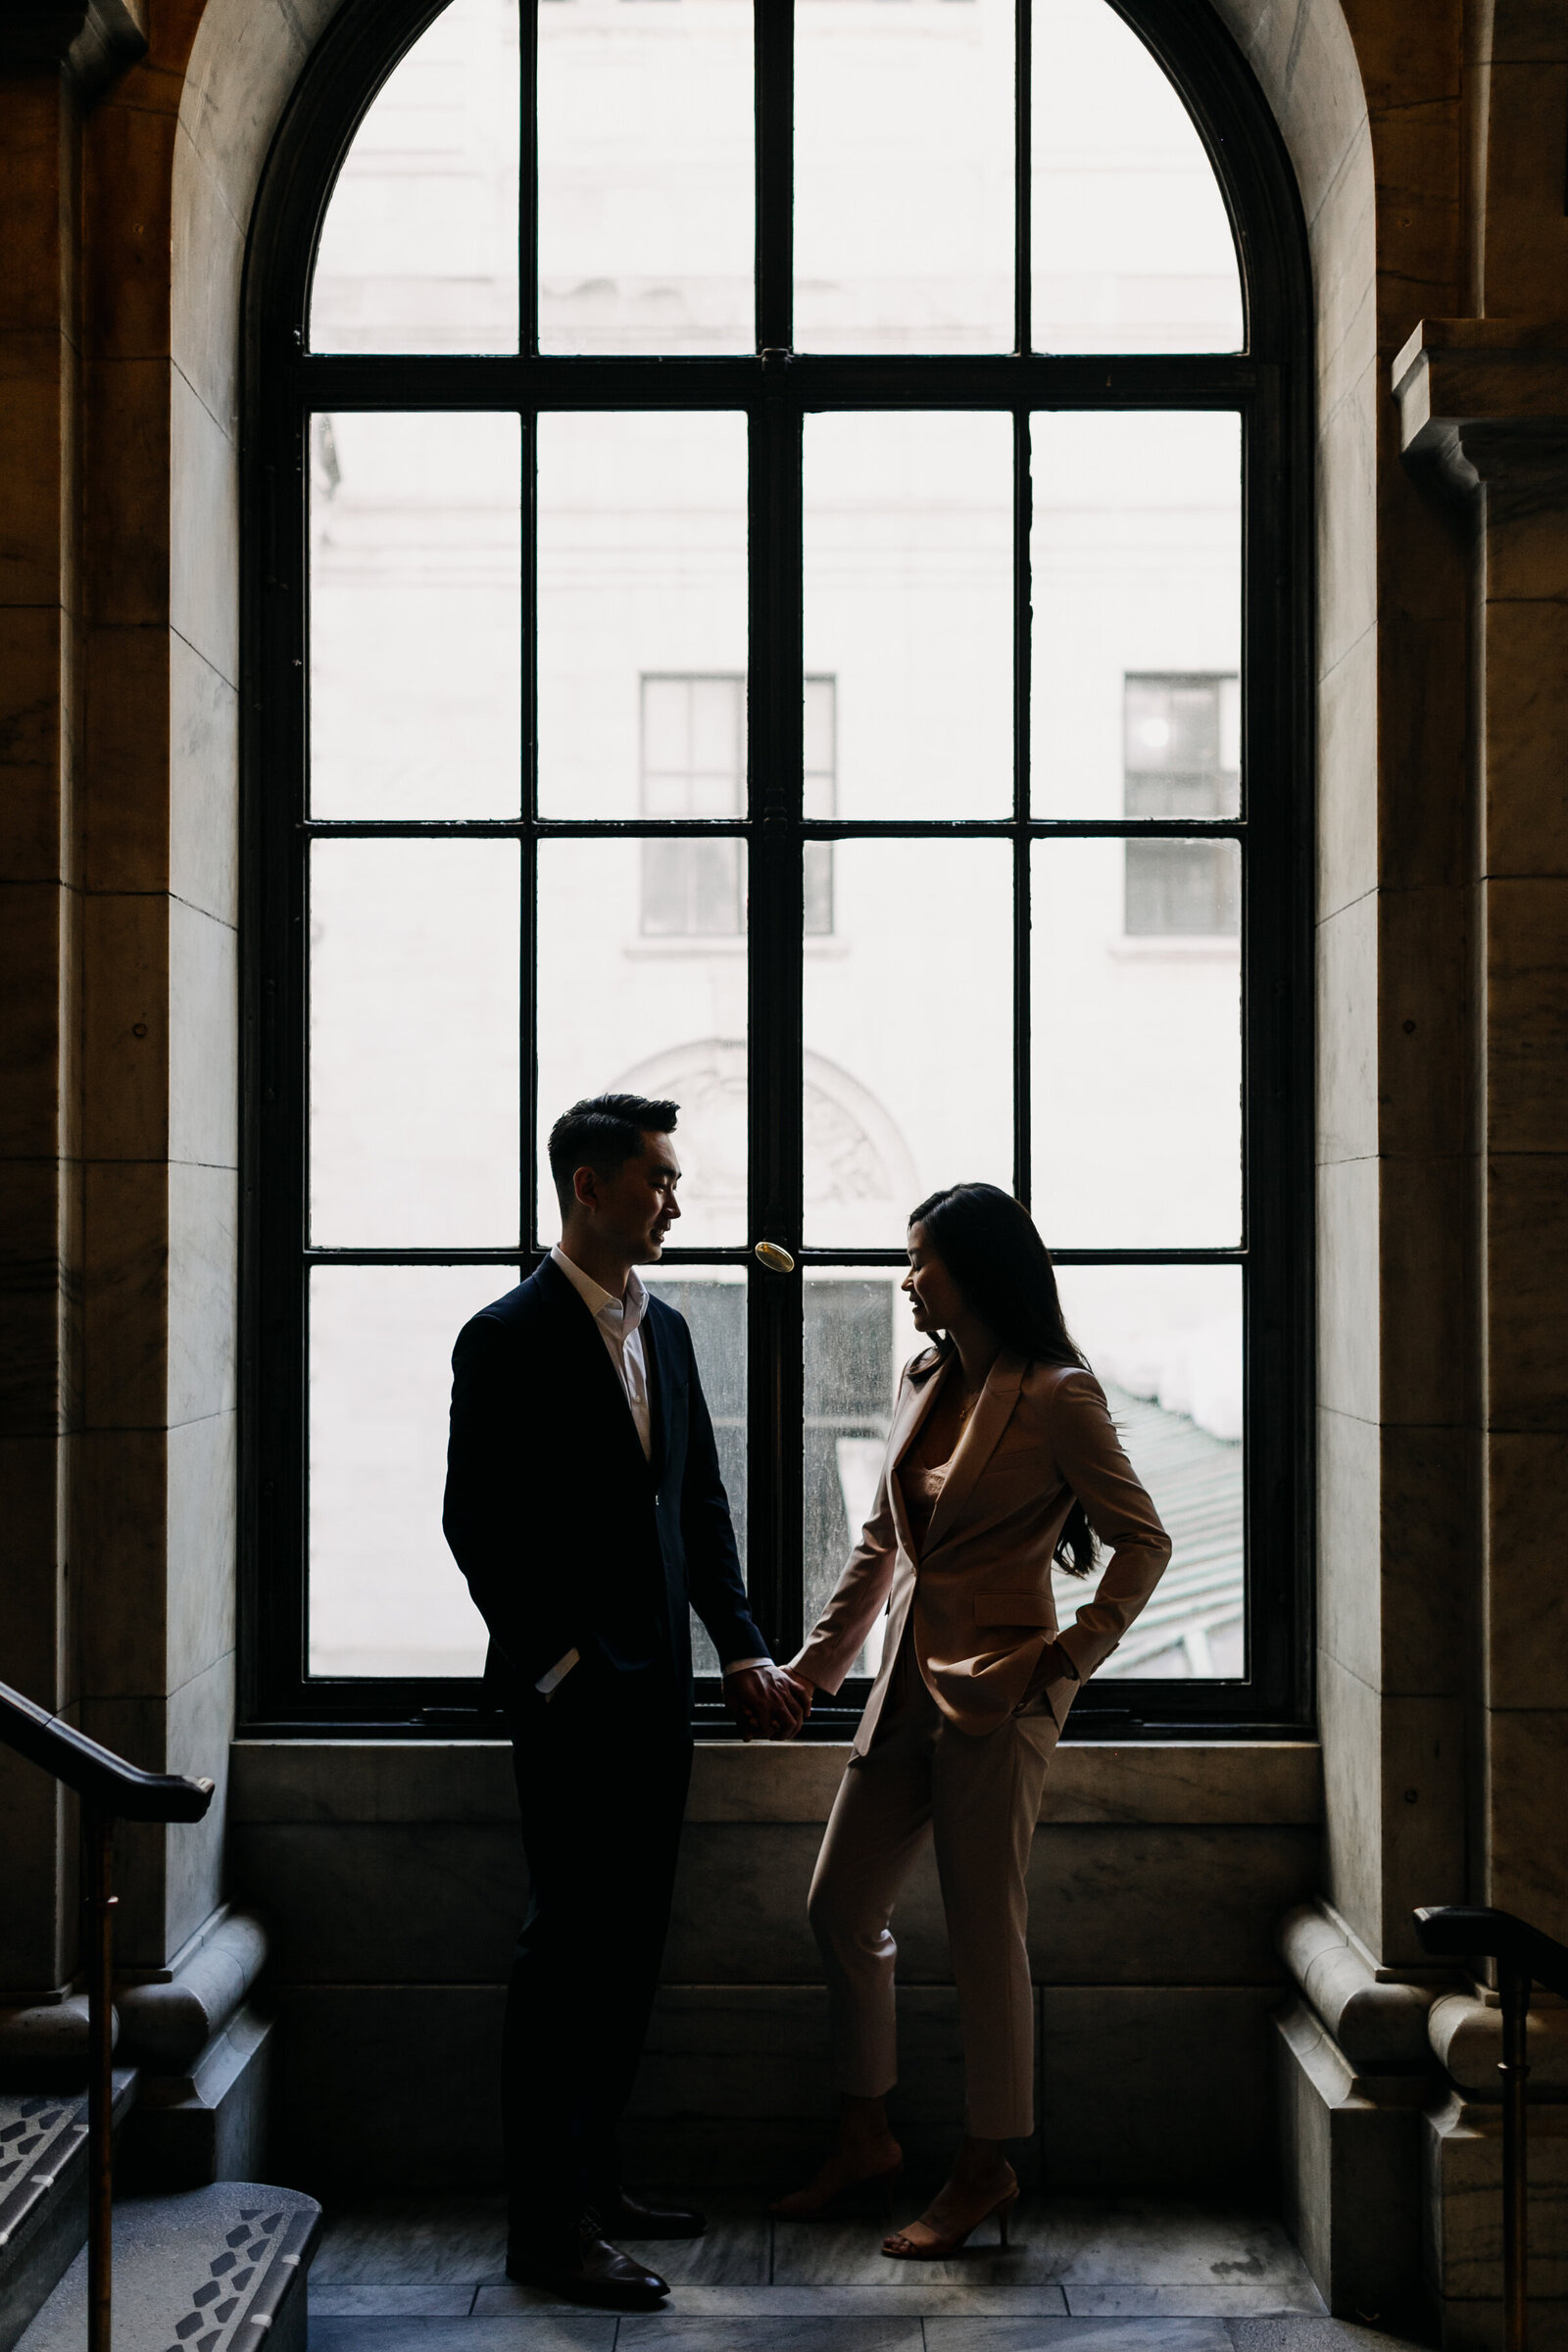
(602, 1782)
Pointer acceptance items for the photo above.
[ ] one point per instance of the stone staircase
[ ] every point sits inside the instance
(216, 2268)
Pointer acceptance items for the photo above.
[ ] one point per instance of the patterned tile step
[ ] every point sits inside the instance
(215, 2270)
(41, 2134)
(43, 2193)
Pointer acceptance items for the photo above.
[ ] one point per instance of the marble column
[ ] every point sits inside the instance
(117, 1149)
(1484, 403)
(40, 699)
(1483, 411)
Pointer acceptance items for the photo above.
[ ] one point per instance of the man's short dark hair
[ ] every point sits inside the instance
(602, 1133)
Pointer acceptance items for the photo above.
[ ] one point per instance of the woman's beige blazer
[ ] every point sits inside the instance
(1039, 1435)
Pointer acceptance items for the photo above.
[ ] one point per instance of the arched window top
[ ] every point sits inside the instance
(418, 249)
(1132, 245)
(914, 127)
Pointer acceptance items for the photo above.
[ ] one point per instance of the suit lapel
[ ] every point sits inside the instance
(658, 1355)
(992, 1413)
(919, 1398)
(913, 1406)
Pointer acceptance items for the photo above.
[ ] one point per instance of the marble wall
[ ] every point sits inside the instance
(392, 1880)
(124, 196)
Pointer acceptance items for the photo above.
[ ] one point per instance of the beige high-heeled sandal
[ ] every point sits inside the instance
(904, 2249)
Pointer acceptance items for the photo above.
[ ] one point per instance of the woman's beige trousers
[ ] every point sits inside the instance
(978, 1799)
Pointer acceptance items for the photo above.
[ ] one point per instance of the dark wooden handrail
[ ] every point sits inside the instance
(111, 1791)
(1471, 1930)
(1525, 1955)
(96, 1773)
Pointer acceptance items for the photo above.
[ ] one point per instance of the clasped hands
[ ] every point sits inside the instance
(771, 1702)
(768, 1702)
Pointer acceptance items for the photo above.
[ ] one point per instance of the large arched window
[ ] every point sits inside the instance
(777, 576)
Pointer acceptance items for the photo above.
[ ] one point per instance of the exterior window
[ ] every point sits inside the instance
(743, 614)
(1183, 738)
(818, 798)
(694, 765)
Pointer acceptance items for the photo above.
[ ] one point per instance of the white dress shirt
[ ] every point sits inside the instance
(619, 1322)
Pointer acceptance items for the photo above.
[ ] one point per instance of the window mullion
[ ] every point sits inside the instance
(773, 56)
(1022, 1115)
(528, 183)
(1022, 250)
(528, 848)
(776, 915)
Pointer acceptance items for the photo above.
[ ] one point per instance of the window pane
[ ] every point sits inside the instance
(1132, 249)
(642, 614)
(416, 615)
(414, 1044)
(1182, 743)
(713, 1300)
(419, 250)
(1165, 1342)
(1135, 1043)
(386, 1598)
(692, 890)
(1135, 557)
(858, 1338)
(908, 607)
(1181, 890)
(904, 155)
(909, 1036)
(627, 1013)
(645, 178)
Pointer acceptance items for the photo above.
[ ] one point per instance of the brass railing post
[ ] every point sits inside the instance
(1513, 1983)
(97, 1832)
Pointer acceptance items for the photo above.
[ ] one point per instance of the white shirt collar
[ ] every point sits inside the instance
(628, 1312)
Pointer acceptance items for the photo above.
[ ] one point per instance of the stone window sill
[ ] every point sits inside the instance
(1258, 1783)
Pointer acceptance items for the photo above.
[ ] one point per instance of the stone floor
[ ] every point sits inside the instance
(426, 2275)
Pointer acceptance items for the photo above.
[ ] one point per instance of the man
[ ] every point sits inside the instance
(585, 1508)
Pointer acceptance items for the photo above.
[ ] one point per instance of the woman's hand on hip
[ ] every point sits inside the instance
(1055, 1667)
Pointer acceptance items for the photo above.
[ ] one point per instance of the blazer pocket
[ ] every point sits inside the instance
(1013, 1608)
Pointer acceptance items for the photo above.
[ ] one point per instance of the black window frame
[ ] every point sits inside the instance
(1268, 383)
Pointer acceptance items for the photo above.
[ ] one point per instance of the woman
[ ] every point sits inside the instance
(1002, 1457)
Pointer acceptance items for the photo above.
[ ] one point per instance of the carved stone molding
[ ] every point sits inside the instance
(1486, 401)
(1373, 2020)
(94, 40)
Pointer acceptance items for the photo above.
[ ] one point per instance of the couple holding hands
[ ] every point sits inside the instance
(585, 1508)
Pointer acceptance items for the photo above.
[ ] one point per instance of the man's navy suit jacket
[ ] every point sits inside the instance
(569, 1537)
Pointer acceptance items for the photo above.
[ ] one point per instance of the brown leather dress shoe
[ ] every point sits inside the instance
(628, 2217)
(581, 2266)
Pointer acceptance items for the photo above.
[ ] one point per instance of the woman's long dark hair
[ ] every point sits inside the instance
(988, 1243)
